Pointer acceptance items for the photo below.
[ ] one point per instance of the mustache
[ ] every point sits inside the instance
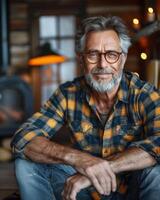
(99, 70)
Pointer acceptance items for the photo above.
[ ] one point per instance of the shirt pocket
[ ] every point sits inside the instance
(81, 126)
(125, 134)
(86, 135)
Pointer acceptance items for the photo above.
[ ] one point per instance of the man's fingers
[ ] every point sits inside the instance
(72, 187)
(114, 183)
(74, 191)
(104, 183)
(95, 182)
(102, 177)
(67, 190)
(113, 179)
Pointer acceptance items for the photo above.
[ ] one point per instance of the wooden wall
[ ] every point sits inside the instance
(19, 34)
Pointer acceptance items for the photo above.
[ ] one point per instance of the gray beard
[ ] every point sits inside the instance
(101, 85)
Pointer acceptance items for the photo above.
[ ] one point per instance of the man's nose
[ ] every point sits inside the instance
(103, 62)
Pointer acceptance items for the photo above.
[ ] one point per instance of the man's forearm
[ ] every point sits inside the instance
(40, 149)
(131, 159)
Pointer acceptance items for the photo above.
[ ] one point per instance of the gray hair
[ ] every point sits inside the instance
(101, 24)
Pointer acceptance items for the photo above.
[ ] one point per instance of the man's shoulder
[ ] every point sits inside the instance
(136, 83)
(77, 84)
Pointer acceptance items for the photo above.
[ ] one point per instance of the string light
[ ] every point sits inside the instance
(135, 21)
(150, 14)
(136, 24)
(150, 10)
(143, 56)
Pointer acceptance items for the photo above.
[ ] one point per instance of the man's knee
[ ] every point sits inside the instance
(144, 184)
(23, 169)
(151, 174)
(32, 180)
(149, 187)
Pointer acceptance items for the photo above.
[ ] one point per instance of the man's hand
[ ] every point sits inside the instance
(73, 185)
(99, 173)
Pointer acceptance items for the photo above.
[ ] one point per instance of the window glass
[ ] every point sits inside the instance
(68, 71)
(54, 44)
(48, 26)
(67, 26)
(54, 72)
(47, 91)
(67, 46)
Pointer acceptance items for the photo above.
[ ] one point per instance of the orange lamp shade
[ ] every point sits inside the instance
(45, 56)
(45, 60)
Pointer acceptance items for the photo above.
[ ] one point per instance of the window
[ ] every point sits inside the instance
(59, 31)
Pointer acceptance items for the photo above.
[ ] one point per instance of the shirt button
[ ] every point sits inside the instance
(118, 127)
(106, 152)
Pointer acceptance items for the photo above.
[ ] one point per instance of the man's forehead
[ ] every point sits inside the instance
(108, 38)
(111, 33)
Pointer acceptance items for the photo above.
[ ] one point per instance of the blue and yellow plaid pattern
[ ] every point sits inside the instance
(133, 121)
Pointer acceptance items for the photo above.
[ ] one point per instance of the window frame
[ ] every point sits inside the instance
(76, 9)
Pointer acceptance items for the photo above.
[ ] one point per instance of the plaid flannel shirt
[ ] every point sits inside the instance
(133, 121)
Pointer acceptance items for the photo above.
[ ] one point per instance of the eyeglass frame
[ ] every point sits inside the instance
(104, 54)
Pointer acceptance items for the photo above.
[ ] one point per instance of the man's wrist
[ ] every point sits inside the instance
(113, 166)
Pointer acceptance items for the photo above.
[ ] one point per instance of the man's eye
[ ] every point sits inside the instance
(112, 54)
(92, 54)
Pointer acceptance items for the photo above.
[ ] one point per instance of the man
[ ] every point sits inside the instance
(114, 119)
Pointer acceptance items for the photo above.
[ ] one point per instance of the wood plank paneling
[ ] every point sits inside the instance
(8, 184)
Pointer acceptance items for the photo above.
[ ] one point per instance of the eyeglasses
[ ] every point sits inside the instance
(95, 56)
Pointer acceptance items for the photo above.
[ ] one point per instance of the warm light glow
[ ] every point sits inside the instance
(150, 14)
(135, 21)
(143, 56)
(46, 60)
(136, 24)
(150, 10)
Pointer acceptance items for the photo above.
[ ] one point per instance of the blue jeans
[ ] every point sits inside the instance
(46, 181)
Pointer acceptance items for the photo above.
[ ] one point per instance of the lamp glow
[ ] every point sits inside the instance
(46, 60)
(46, 56)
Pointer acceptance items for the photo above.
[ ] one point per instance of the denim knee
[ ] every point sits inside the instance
(149, 187)
(23, 168)
(33, 180)
(150, 174)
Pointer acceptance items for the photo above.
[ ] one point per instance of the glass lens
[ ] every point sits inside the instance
(92, 57)
(112, 56)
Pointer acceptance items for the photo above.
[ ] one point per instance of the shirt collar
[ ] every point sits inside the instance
(123, 90)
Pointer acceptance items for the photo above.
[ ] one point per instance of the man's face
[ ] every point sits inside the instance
(103, 71)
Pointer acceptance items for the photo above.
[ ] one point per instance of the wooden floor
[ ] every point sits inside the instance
(8, 183)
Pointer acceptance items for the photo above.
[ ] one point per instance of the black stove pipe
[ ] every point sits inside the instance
(4, 44)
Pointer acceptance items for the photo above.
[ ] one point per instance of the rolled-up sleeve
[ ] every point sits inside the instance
(44, 123)
(149, 107)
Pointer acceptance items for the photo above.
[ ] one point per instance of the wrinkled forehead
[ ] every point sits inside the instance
(102, 40)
